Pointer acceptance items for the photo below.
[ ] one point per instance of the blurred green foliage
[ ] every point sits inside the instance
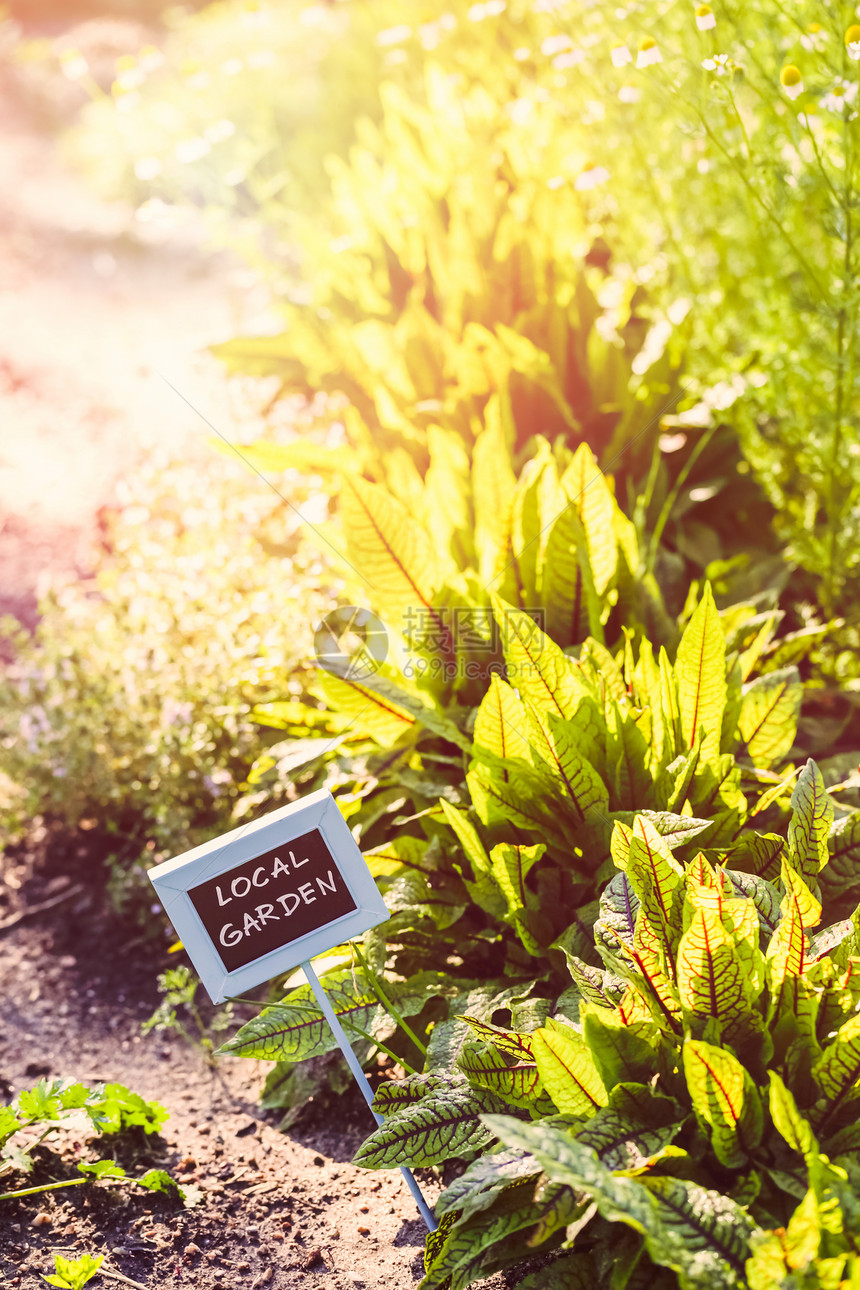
(454, 168)
(131, 705)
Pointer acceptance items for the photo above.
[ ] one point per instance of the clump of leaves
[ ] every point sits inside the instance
(690, 1100)
(494, 897)
(73, 1274)
(111, 1109)
(131, 704)
(178, 987)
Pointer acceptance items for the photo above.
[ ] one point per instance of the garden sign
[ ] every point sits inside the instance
(268, 897)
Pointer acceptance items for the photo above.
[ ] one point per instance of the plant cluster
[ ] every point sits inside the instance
(697, 1083)
(111, 1109)
(131, 704)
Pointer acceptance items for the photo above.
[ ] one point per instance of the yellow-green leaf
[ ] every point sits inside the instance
(535, 664)
(567, 1071)
(726, 1099)
(809, 827)
(500, 723)
(700, 672)
(767, 720)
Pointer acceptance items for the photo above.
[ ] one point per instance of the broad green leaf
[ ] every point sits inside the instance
(767, 721)
(788, 1121)
(726, 1099)
(675, 830)
(841, 878)
(700, 671)
(520, 799)
(467, 836)
(673, 739)
(483, 1180)
(657, 879)
(837, 1075)
(701, 1235)
(619, 907)
(519, 1084)
(603, 670)
(445, 1124)
(712, 982)
(567, 1071)
(296, 1029)
(588, 493)
(368, 711)
(398, 561)
(634, 1126)
(493, 486)
(568, 1272)
(535, 664)
(512, 1043)
(622, 1051)
(758, 854)
(500, 722)
(786, 952)
(511, 864)
(567, 586)
(403, 852)
(762, 893)
(809, 826)
(583, 789)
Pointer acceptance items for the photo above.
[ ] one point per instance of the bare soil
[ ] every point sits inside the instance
(277, 1211)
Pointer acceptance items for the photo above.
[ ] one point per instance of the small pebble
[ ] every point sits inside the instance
(364, 1209)
(364, 1231)
(191, 1248)
(42, 1219)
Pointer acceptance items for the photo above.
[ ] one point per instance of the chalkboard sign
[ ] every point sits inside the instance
(264, 898)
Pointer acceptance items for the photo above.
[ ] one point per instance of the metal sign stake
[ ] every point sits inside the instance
(363, 1083)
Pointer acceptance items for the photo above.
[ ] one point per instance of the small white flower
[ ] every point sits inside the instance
(791, 81)
(620, 56)
(393, 35)
(522, 54)
(130, 78)
(571, 59)
(590, 178)
(629, 94)
(852, 41)
(556, 45)
(555, 182)
(649, 53)
(146, 168)
(220, 131)
(190, 150)
(716, 64)
(842, 95)
(705, 19)
(74, 66)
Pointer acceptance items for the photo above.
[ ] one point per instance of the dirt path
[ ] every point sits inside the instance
(95, 309)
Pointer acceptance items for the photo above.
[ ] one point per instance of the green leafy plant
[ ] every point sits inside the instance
(73, 1274)
(130, 706)
(110, 1108)
(563, 754)
(178, 986)
(686, 1101)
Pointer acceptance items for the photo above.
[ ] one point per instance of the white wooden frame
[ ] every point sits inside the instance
(173, 879)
